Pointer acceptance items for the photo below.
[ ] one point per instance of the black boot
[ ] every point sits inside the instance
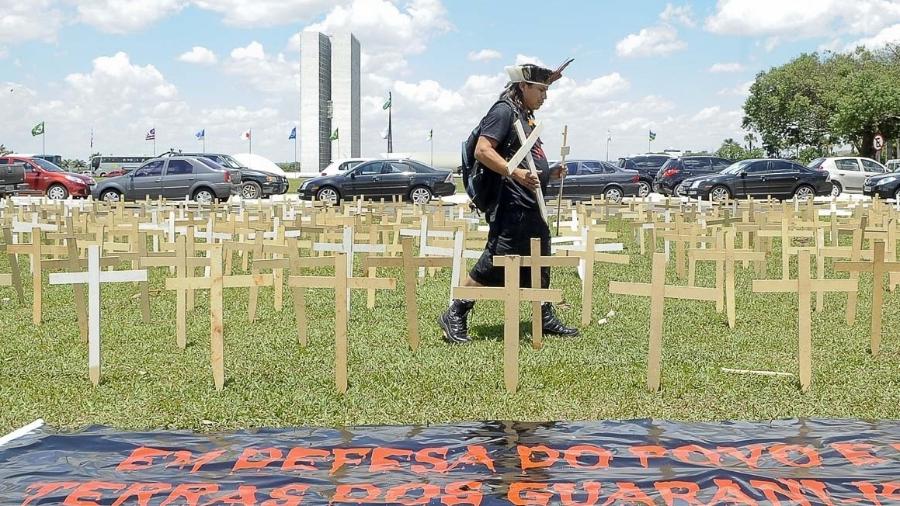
(552, 325)
(455, 321)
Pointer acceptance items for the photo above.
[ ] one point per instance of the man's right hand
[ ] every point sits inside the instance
(525, 178)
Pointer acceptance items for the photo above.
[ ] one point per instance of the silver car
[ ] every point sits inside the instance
(173, 177)
(848, 173)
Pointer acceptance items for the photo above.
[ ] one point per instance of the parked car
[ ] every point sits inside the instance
(341, 166)
(381, 179)
(255, 184)
(647, 167)
(781, 179)
(885, 186)
(173, 177)
(893, 165)
(47, 177)
(848, 173)
(675, 170)
(592, 178)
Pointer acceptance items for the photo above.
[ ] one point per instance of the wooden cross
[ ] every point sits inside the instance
(216, 284)
(659, 291)
(93, 278)
(511, 294)
(409, 263)
(804, 286)
(524, 152)
(589, 252)
(342, 283)
(33, 249)
(535, 262)
(878, 267)
(15, 275)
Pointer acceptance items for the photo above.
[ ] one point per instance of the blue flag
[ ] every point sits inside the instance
(293, 134)
(201, 134)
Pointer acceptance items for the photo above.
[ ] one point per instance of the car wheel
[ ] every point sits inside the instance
(328, 195)
(679, 190)
(836, 189)
(804, 192)
(420, 195)
(204, 196)
(897, 195)
(644, 189)
(250, 190)
(719, 193)
(110, 196)
(613, 194)
(57, 192)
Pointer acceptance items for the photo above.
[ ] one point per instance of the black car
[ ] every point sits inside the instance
(885, 186)
(647, 166)
(781, 179)
(377, 179)
(593, 178)
(255, 184)
(675, 170)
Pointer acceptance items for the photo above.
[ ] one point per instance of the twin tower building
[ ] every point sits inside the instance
(329, 99)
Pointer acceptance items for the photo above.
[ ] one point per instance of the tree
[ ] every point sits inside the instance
(731, 150)
(749, 139)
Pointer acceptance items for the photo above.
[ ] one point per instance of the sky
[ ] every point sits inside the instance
(114, 69)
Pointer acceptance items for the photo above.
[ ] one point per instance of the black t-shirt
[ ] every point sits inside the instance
(497, 125)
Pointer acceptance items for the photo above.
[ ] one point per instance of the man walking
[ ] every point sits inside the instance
(516, 216)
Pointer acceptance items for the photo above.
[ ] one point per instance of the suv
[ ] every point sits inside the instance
(675, 170)
(48, 178)
(255, 184)
(848, 174)
(647, 166)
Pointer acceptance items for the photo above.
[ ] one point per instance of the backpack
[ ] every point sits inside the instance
(481, 183)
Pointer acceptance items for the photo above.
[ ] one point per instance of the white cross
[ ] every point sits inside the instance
(93, 278)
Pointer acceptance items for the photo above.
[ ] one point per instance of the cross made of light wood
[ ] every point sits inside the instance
(35, 250)
(659, 291)
(342, 283)
(14, 278)
(216, 284)
(93, 278)
(878, 267)
(512, 295)
(804, 286)
(409, 262)
(589, 252)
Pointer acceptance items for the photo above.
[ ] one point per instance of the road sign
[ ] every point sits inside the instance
(878, 143)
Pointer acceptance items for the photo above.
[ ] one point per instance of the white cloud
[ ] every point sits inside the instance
(115, 78)
(601, 87)
(889, 35)
(485, 55)
(261, 13)
(741, 90)
(718, 68)
(522, 59)
(270, 74)
(783, 20)
(21, 21)
(429, 95)
(682, 14)
(653, 41)
(199, 55)
(125, 16)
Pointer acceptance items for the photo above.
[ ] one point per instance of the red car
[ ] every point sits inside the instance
(47, 177)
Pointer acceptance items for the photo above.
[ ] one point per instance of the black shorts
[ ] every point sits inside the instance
(510, 234)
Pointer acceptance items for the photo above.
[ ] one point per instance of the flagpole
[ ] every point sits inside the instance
(390, 146)
(431, 139)
(250, 140)
(44, 141)
(295, 153)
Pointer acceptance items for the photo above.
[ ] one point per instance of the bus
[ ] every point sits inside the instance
(103, 165)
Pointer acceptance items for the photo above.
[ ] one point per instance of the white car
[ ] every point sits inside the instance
(848, 173)
(343, 165)
(893, 165)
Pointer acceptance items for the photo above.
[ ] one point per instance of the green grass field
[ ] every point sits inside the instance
(271, 381)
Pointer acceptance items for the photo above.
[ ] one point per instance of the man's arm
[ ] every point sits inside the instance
(486, 153)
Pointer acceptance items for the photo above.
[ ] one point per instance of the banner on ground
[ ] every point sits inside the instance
(602, 463)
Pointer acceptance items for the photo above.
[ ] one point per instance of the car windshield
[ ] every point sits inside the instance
(228, 161)
(48, 166)
(211, 164)
(815, 163)
(737, 167)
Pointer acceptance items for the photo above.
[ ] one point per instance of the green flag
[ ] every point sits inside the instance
(38, 129)
(335, 136)
(652, 135)
(387, 105)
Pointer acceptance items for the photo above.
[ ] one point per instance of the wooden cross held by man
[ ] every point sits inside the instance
(511, 294)
(878, 267)
(659, 291)
(342, 283)
(524, 153)
(93, 278)
(804, 286)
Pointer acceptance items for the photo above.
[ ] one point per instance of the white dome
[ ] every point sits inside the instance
(259, 163)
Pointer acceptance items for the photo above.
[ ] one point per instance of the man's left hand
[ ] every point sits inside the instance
(559, 172)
